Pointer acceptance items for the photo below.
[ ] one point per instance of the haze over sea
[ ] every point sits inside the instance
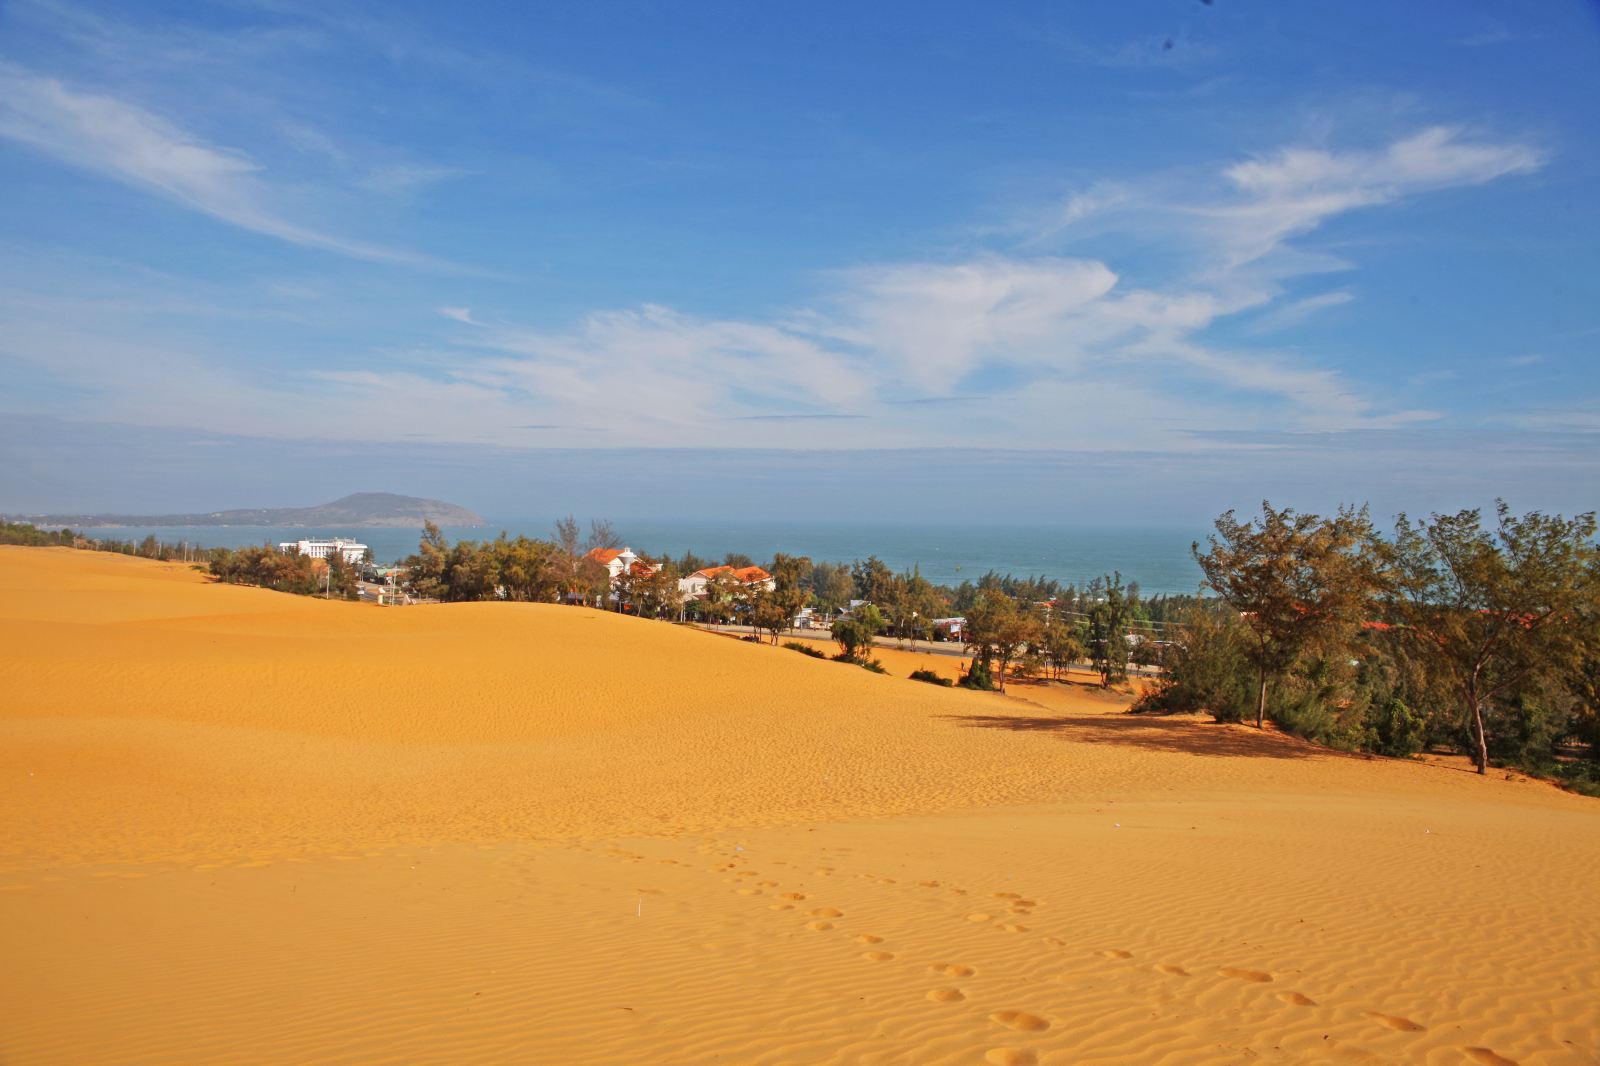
(1156, 557)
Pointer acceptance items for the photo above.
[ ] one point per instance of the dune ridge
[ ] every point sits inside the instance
(247, 827)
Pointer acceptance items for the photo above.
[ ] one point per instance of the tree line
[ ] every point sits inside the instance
(1476, 635)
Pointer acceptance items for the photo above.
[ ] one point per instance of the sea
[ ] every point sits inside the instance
(947, 554)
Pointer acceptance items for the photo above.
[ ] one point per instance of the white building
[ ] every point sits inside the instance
(693, 587)
(616, 560)
(352, 550)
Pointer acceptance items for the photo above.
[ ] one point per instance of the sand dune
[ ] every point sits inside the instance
(247, 827)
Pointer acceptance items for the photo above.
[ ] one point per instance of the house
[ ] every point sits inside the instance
(615, 560)
(694, 586)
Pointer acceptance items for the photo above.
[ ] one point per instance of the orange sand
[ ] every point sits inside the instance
(247, 827)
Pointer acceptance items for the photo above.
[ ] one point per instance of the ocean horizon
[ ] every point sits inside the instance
(1158, 558)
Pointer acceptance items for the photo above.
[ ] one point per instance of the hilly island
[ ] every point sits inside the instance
(361, 509)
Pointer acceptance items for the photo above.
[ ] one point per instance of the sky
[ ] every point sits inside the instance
(1075, 262)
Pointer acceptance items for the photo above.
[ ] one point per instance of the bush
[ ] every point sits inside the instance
(805, 649)
(931, 678)
(1206, 671)
(978, 676)
(1392, 729)
(871, 664)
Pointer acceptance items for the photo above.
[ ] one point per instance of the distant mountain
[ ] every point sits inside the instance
(367, 509)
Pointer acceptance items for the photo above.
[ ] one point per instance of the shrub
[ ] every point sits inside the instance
(871, 664)
(931, 678)
(1206, 671)
(1394, 730)
(978, 676)
(805, 649)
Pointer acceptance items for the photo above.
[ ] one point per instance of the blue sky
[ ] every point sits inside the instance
(1115, 262)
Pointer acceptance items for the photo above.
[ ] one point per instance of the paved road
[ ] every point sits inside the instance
(927, 647)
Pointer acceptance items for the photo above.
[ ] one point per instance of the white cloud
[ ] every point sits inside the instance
(1297, 311)
(936, 322)
(1059, 351)
(1292, 191)
(139, 148)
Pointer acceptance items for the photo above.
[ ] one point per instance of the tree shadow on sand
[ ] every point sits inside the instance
(1156, 734)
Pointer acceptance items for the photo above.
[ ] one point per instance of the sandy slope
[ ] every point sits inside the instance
(246, 827)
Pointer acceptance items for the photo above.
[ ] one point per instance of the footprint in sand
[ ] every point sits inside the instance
(1253, 976)
(928, 884)
(1487, 1057)
(1404, 1025)
(1297, 999)
(781, 907)
(1174, 971)
(979, 916)
(748, 891)
(869, 938)
(791, 895)
(1010, 1056)
(1114, 953)
(819, 927)
(1055, 941)
(878, 956)
(946, 995)
(827, 912)
(1006, 895)
(1019, 1019)
(1010, 928)
(952, 969)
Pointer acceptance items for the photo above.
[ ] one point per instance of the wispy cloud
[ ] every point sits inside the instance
(1297, 311)
(129, 144)
(1292, 191)
(1032, 350)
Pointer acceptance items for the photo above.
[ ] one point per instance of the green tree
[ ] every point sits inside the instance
(1059, 643)
(998, 628)
(1498, 613)
(832, 586)
(791, 585)
(1298, 582)
(1109, 610)
(425, 571)
(855, 632)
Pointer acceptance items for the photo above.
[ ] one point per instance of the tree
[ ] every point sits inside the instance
(1060, 644)
(657, 594)
(791, 585)
(854, 633)
(832, 585)
(766, 613)
(1110, 608)
(527, 569)
(425, 571)
(1297, 581)
(722, 597)
(872, 580)
(1498, 614)
(997, 628)
(471, 573)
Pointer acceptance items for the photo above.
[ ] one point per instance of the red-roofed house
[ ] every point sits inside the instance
(693, 587)
(615, 560)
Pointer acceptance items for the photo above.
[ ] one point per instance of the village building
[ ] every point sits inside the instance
(694, 586)
(353, 551)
